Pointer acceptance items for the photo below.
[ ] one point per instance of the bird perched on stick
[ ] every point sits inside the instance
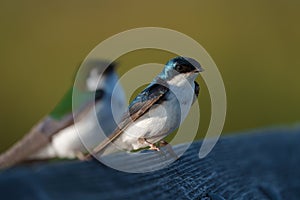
(158, 110)
(56, 135)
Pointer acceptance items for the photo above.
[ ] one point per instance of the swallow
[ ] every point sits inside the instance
(157, 111)
(55, 135)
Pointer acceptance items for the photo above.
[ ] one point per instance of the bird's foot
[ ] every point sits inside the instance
(151, 145)
(154, 147)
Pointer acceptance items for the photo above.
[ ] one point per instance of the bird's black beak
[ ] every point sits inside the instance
(198, 70)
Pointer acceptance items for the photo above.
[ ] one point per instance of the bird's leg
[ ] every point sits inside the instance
(154, 147)
(151, 145)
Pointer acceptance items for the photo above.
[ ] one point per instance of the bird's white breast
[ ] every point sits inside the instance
(161, 119)
(183, 89)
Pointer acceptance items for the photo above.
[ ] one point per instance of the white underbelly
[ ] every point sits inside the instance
(159, 122)
(69, 142)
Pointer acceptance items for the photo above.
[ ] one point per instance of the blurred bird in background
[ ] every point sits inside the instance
(56, 135)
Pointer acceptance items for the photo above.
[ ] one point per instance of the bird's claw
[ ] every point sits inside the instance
(154, 147)
(151, 145)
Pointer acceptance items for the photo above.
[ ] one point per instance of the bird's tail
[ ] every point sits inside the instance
(20, 151)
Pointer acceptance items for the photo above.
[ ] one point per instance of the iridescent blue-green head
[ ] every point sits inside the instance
(184, 66)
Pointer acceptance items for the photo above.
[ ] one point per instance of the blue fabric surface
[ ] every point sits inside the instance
(262, 164)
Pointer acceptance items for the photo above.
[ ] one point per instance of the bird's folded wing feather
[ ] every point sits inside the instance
(143, 102)
(40, 135)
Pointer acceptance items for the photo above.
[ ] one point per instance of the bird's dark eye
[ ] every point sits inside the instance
(183, 68)
(178, 68)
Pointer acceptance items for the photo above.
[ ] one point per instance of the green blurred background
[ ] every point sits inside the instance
(254, 43)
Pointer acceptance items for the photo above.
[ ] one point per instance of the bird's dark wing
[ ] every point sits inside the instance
(147, 97)
(143, 102)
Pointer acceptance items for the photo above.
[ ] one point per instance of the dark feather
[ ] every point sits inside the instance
(197, 88)
(143, 102)
(99, 94)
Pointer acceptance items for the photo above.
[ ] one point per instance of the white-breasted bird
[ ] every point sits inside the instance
(158, 110)
(56, 136)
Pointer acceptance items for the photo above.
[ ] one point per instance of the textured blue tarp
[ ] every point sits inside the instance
(261, 164)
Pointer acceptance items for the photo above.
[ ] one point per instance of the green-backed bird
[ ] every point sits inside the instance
(56, 135)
